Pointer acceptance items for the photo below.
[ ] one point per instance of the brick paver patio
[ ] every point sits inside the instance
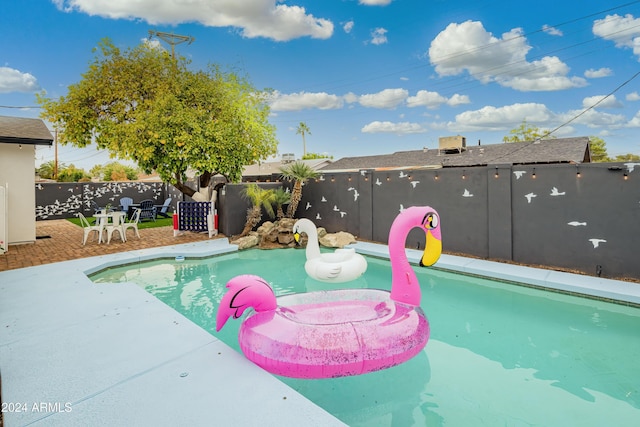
(61, 240)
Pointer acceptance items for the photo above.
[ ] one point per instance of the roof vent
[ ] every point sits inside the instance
(452, 144)
(288, 157)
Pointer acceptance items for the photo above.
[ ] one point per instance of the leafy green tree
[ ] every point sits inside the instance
(526, 132)
(313, 156)
(281, 197)
(598, 149)
(303, 130)
(142, 104)
(299, 173)
(627, 158)
(259, 198)
(116, 171)
(71, 174)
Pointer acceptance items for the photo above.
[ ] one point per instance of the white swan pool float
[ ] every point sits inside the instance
(343, 265)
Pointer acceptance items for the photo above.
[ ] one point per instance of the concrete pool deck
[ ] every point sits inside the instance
(75, 353)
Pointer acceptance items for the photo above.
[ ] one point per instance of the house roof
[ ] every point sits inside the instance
(561, 150)
(273, 167)
(19, 130)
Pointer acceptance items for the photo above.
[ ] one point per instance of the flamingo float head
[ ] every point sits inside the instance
(245, 291)
(433, 246)
(405, 287)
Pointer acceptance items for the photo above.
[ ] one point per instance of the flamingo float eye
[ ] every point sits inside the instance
(431, 221)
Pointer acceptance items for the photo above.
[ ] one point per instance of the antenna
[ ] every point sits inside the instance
(172, 39)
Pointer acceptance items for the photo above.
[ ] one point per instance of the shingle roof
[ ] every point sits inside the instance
(19, 130)
(273, 167)
(561, 150)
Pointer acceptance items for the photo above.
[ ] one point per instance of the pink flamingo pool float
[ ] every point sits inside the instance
(337, 333)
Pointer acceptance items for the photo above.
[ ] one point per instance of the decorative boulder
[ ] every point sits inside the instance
(247, 241)
(266, 228)
(337, 240)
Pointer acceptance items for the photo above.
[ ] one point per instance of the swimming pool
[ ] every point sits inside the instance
(499, 354)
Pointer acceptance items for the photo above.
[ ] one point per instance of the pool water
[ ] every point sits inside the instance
(499, 354)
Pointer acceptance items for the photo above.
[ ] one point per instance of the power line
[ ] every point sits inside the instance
(593, 106)
(19, 107)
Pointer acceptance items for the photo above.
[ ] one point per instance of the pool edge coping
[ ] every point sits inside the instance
(611, 290)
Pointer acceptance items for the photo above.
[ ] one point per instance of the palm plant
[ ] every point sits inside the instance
(303, 129)
(299, 173)
(260, 198)
(49, 170)
(281, 197)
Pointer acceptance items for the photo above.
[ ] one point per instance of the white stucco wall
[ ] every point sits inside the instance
(17, 173)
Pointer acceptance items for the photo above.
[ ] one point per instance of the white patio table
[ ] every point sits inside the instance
(106, 219)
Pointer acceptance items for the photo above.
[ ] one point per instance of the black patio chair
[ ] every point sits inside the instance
(147, 210)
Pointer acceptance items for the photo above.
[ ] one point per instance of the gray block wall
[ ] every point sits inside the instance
(584, 218)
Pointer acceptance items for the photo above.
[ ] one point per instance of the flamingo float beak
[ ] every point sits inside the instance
(432, 250)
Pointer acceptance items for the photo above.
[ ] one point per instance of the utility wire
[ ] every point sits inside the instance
(593, 106)
(520, 147)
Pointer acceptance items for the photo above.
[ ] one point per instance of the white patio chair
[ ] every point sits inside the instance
(131, 223)
(115, 225)
(88, 228)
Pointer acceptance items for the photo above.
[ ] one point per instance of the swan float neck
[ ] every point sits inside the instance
(405, 287)
(313, 247)
(339, 266)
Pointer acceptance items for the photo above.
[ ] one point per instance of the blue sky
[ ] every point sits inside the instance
(366, 76)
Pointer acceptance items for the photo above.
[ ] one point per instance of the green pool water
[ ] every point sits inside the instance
(499, 354)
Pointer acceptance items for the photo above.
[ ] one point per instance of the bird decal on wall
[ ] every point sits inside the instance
(577, 224)
(596, 242)
(467, 193)
(355, 193)
(631, 166)
(519, 174)
(530, 196)
(555, 192)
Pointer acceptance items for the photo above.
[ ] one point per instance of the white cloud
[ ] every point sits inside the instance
(378, 36)
(633, 96)
(624, 31)
(635, 121)
(375, 2)
(491, 118)
(388, 98)
(348, 26)
(551, 30)
(424, 98)
(610, 102)
(458, 99)
(255, 18)
(304, 100)
(596, 74)
(469, 47)
(12, 80)
(433, 100)
(350, 98)
(400, 128)
(594, 119)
